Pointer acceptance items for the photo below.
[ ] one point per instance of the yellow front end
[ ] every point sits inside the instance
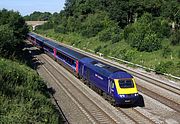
(120, 90)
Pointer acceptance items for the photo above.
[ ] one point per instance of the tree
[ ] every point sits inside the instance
(141, 35)
(38, 16)
(13, 30)
(8, 42)
(15, 21)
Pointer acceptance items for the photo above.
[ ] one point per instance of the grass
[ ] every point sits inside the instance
(122, 50)
(24, 97)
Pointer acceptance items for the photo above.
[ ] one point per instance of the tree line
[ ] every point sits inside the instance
(38, 16)
(142, 23)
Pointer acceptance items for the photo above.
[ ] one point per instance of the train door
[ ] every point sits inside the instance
(110, 86)
(88, 74)
(82, 70)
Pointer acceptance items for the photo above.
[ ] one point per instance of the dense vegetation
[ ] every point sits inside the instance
(24, 97)
(141, 31)
(12, 32)
(38, 16)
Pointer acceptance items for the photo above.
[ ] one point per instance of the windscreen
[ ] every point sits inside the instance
(126, 83)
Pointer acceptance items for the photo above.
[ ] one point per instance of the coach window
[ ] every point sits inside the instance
(32, 38)
(49, 48)
(37, 41)
(59, 55)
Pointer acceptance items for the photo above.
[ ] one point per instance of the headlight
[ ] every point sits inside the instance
(122, 95)
(136, 94)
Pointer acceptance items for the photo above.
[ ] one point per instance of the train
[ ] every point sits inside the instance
(114, 84)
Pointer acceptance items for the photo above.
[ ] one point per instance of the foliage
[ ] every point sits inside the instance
(163, 67)
(38, 16)
(166, 51)
(15, 22)
(23, 96)
(105, 35)
(97, 49)
(179, 54)
(8, 42)
(175, 38)
(12, 32)
(142, 34)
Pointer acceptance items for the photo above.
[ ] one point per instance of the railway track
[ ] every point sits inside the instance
(165, 100)
(91, 109)
(96, 114)
(137, 117)
(131, 114)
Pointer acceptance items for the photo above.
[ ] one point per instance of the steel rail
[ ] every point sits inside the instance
(75, 97)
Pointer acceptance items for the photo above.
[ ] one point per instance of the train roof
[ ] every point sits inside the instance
(40, 38)
(64, 50)
(50, 43)
(70, 52)
(105, 69)
(36, 36)
(32, 34)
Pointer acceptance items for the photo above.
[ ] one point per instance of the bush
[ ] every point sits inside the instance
(115, 38)
(166, 51)
(60, 29)
(97, 49)
(179, 54)
(163, 67)
(149, 43)
(142, 35)
(175, 38)
(46, 26)
(8, 42)
(128, 56)
(23, 96)
(105, 35)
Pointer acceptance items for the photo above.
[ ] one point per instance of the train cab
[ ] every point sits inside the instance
(126, 91)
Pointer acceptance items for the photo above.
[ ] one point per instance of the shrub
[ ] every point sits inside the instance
(143, 35)
(60, 29)
(128, 56)
(23, 96)
(8, 42)
(105, 35)
(175, 38)
(115, 38)
(179, 54)
(149, 43)
(163, 67)
(166, 51)
(97, 49)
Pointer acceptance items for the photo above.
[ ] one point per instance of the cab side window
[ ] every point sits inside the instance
(112, 84)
